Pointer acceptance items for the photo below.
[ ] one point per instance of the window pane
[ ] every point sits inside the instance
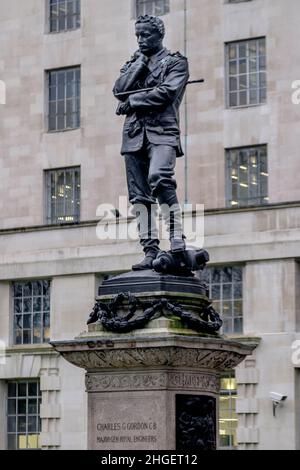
(216, 292)
(22, 389)
(27, 289)
(11, 407)
(238, 291)
(11, 442)
(33, 441)
(46, 288)
(32, 423)
(21, 424)
(37, 288)
(46, 319)
(242, 50)
(32, 406)
(233, 99)
(27, 321)
(21, 407)
(18, 306)
(32, 388)
(27, 336)
(233, 84)
(11, 424)
(17, 288)
(243, 98)
(27, 305)
(238, 308)
(12, 389)
(227, 291)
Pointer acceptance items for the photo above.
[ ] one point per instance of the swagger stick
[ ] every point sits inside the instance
(133, 92)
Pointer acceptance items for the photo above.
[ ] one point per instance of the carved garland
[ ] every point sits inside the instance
(209, 320)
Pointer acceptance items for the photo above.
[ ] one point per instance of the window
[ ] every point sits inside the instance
(31, 312)
(64, 15)
(64, 99)
(225, 286)
(246, 72)
(63, 195)
(23, 414)
(227, 412)
(247, 176)
(152, 7)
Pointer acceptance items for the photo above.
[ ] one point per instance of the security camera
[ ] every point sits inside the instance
(277, 397)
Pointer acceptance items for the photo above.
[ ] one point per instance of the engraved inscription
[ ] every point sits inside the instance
(127, 432)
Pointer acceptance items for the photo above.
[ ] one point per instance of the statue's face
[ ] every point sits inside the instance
(148, 38)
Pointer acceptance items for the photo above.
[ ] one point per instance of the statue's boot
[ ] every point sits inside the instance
(148, 234)
(172, 216)
(151, 250)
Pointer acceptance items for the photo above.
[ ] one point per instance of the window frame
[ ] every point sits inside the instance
(221, 299)
(65, 99)
(13, 343)
(244, 203)
(229, 393)
(26, 398)
(47, 203)
(66, 30)
(258, 71)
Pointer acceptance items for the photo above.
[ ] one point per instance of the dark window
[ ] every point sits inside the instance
(225, 285)
(63, 195)
(64, 15)
(64, 99)
(152, 7)
(246, 72)
(23, 414)
(247, 176)
(31, 312)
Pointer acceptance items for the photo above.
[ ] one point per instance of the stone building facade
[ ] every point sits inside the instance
(59, 60)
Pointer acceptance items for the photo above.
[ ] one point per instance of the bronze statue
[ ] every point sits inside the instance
(151, 135)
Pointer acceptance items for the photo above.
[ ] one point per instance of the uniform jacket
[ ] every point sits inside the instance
(156, 112)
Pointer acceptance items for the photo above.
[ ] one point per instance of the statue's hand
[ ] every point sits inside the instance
(124, 109)
(141, 58)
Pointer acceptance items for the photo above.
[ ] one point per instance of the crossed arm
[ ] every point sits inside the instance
(164, 94)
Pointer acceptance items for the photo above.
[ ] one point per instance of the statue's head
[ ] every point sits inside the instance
(150, 31)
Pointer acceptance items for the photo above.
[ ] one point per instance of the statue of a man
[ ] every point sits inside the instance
(151, 135)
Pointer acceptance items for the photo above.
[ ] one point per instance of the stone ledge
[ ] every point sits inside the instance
(129, 351)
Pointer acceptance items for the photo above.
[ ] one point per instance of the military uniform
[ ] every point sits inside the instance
(151, 134)
(155, 112)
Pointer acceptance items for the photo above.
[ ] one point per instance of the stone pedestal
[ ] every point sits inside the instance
(154, 388)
